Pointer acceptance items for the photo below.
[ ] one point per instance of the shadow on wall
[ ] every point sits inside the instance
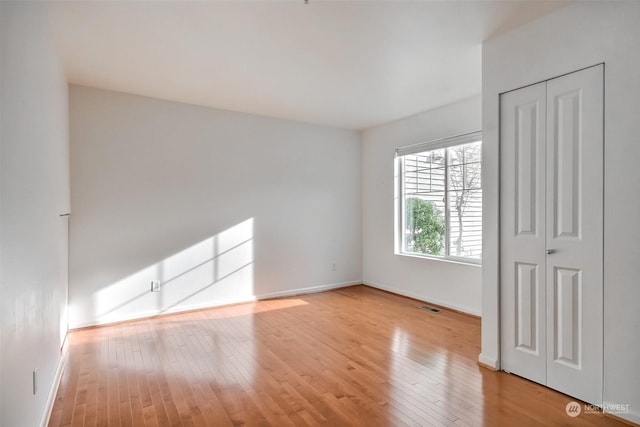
(218, 270)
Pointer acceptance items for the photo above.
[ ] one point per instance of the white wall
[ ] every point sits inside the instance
(34, 192)
(446, 283)
(219, 206)
(577, 36)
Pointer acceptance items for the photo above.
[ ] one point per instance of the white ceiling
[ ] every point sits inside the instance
(348, 64)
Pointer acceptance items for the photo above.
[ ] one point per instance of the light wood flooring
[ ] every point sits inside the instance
(350, 357)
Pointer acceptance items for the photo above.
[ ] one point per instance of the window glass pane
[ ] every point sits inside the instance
(465, 201)
(465, 223)
(424, 173)
(424, 202)
(456, 154)
(425, 226)
(436, 158)
(473, 152)
(473, 176)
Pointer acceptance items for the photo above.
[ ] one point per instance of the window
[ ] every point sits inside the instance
(439, 212)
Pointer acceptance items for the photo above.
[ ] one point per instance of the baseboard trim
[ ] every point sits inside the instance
(308, 290)
(488, 367)
(51, 398)
(488, 362)
(454, 307)
(630, 419)
(214, 304)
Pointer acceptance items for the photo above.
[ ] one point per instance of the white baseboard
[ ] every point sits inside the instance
(308, 290)
(422, 298)
(489, 361)
(633, 417)
(57, 376)
(213, 304)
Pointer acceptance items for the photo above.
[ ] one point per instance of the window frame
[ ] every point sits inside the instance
(400, 214)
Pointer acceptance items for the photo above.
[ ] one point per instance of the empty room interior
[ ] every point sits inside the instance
(319, 212)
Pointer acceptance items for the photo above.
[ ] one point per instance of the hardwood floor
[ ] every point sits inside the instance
(349, 357)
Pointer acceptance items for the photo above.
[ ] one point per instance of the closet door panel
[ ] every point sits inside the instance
(575, 202)
(522, 217)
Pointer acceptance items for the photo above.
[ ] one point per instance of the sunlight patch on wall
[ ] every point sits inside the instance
(214, 271)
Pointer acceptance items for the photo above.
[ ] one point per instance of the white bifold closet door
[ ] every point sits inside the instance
(551, 233)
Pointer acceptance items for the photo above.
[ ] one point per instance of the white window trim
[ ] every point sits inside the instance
(399, 191)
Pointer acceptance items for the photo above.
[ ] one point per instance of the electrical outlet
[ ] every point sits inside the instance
(34, 380)
(155, 286)
(333, 267)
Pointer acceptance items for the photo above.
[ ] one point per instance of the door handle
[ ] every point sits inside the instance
(550, 251)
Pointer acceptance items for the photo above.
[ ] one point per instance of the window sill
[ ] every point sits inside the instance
(452, 260)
